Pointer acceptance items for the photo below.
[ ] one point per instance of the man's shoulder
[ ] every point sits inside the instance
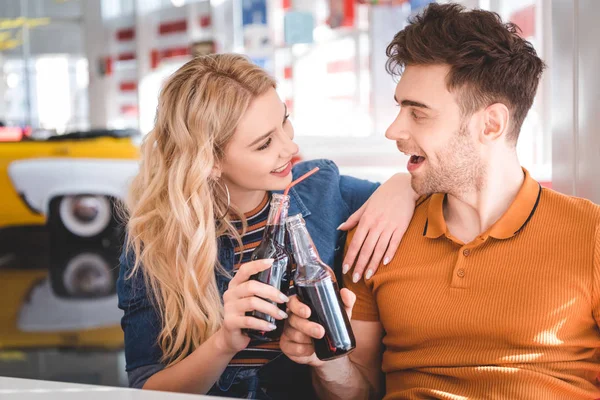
(570, 210)
(570, 204)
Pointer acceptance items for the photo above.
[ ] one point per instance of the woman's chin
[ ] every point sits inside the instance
(279, 183)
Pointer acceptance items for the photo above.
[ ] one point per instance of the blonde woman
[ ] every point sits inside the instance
(221, 144)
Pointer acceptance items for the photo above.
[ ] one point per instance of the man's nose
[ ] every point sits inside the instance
(397, 131)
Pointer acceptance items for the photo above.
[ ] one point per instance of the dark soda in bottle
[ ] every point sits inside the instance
(317, 287)
(279, 274)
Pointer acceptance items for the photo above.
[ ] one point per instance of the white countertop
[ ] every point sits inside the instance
(27, 389)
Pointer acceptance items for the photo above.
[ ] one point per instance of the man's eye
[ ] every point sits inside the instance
(415, 116)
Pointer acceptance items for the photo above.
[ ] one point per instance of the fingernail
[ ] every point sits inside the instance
(345, 268)
(268, 261)
(282, 314)
(342, 224)
(368, 275)
(272, 327)
(386, 261)
(355, 278)
(284, 298)
(316, 332)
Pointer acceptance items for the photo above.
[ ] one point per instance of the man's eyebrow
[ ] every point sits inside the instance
(407, 103)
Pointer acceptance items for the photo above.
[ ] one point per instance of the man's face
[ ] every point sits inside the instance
(445, 154)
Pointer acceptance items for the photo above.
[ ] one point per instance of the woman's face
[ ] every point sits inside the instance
(259, 155)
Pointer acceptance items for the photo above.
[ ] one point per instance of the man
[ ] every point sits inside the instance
(495, 289)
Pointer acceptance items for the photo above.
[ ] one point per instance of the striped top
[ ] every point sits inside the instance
(514, 314)
(257, 220)
(256, 354)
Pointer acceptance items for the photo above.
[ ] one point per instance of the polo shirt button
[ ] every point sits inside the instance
(461, 273)
(466, 252)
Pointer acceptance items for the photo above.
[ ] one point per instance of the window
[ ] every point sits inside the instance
(58, 98)
(342, 96)
(116, 8)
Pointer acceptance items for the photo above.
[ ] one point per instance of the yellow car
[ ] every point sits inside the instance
(69, 182)
(60, 240)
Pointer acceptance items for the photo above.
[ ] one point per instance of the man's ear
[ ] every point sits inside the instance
(496, 119)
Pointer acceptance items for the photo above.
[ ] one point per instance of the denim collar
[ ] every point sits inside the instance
(297, 206)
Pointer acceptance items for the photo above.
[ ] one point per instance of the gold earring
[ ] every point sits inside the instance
(228, 201)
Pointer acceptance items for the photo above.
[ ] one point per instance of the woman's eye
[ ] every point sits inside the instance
(264, 146)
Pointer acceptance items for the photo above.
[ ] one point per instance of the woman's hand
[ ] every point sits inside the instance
(246, 295)
(382, 222)
(297, 338)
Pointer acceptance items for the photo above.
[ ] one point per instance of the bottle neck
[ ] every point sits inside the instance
(305, 251)
(276, 221)
(276, 232)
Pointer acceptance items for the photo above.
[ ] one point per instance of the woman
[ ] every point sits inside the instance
(221, 144)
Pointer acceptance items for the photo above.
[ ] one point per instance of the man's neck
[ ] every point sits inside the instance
(469, 214)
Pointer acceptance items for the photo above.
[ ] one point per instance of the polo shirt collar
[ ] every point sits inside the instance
(435, 225)
(514, 219)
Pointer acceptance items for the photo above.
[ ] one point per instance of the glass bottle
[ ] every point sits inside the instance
(273, 245)
(317, 287)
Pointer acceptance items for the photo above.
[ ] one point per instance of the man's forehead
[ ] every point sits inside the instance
(424, 83)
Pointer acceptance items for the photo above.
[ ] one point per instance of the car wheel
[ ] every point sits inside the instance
(84, 216)
(83, 273)
(88, 275)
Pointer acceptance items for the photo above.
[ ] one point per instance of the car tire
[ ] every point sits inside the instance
(87, 273)
(81, 217)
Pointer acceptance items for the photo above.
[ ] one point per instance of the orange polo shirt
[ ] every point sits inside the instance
(512, 315)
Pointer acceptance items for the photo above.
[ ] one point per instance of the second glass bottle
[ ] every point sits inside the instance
(317, 287)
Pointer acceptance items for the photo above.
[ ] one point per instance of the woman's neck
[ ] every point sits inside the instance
(245, 200)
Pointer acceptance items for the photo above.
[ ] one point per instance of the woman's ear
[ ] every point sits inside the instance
(216, 173)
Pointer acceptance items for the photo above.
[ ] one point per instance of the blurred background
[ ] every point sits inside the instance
(79, 81)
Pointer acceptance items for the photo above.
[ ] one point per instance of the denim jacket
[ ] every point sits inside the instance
(325, 200)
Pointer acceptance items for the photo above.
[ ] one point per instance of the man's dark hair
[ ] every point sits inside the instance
(489, 62)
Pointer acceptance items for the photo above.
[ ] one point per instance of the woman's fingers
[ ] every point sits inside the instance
(256, 304)
(245, 271)
(393, 247)
(243, 322)
(256, 288)
(353, 220)
(355, 247)
(380, 248)
(365, 253)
